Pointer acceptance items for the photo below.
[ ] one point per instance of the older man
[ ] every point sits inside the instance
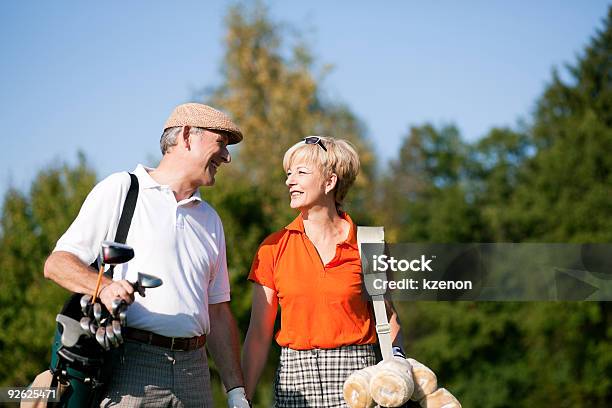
(177, 236)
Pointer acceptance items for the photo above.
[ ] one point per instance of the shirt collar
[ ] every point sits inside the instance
(146, 181)
(144, 178)
(298, 225)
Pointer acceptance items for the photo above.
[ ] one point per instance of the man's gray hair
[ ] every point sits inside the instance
(168, 138)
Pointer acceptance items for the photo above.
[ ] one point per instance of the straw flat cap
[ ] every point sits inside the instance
(203, 116)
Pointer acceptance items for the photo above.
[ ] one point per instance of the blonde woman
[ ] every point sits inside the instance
(312, 269)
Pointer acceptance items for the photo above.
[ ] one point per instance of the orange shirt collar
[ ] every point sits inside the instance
(298, 225)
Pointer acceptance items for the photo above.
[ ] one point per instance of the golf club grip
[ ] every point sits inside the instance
(95, 294)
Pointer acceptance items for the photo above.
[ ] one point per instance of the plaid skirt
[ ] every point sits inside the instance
(314, 378)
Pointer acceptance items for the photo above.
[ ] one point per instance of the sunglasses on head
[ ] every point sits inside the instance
(315, 140)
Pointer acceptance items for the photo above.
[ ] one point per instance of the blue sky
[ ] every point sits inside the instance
(103, 76)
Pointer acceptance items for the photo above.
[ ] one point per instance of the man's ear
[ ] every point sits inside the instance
(185, 137)
(331, 182)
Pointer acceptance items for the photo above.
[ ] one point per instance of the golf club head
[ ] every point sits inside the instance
(115, 307)
(97, 312)
(110, 335)
(85, 299)
(113, 253)
(149, 281)
(107, 343)
(123, 315)
(85, 321)
(146, 281)
(71, 330)
(93, 328)
(101, 337)
(117, 331)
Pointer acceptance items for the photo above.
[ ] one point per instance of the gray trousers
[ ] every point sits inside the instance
(149, 376)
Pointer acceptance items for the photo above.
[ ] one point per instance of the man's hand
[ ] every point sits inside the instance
(236, 398)
(116, 290)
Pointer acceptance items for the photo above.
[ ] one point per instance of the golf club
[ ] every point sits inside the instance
(117, 330)
(101, 337)
(71, 330)
(85, 304)
(123, 314)
(85, 321)
(93, 328)
(115, 307)
(111, 253)
(97, 312)
(107, 343)
(110, 335)
(146, 281)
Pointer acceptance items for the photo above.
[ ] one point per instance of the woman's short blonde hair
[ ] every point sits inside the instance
(340, 159)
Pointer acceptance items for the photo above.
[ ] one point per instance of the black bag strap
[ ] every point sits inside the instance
(126, 216)
(128, 211)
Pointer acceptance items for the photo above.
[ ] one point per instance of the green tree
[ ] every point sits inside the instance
(549, 182)
(495, 166)
(31, 224)
(277, 100)
(565, 189)
(425, 195)
(563, 195)
(271, 88)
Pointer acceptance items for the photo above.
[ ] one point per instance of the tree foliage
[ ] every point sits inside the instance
(277, 100)
(271, 89)
(549, 181)
(425, 196)
(565, 189)
(31, 224)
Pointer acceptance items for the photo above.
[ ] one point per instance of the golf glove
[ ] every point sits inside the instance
(236, 398)
(398, 352)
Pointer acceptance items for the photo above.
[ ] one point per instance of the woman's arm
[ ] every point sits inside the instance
(259, 336)
(396, 329)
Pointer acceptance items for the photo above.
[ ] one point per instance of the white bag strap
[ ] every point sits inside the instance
(376, 235)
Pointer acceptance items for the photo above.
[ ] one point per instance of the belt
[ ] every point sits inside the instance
(172, 343)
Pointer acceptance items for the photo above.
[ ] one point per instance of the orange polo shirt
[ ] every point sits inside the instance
(321, 305)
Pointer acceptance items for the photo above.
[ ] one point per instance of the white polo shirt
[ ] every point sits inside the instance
(180, 242)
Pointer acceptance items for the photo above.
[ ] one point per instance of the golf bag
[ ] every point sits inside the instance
(395, 381)
(86, 367)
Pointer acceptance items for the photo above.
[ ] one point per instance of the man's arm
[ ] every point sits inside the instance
(68, 265)
(224, 344)
(68, 271)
